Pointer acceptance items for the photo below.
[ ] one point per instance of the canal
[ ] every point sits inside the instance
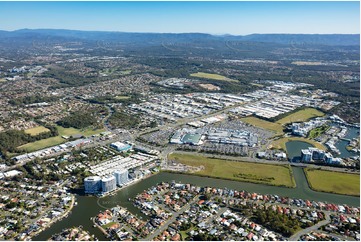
(90, 206)
(342, 144)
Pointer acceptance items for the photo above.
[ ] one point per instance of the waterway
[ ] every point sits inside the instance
(90, 206)
(294, 149)
(342, 144)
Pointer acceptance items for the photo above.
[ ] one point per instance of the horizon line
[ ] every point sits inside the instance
(215, 34)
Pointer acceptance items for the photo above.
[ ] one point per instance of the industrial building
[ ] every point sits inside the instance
(92, 184)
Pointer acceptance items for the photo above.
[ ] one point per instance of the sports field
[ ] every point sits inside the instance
(277, 175)
(281, 143)
(264, 124)
(212, 76)
(334, 182)
(36, 130)
(301, 116)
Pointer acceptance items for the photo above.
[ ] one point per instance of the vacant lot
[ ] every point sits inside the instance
(281, 143)
(277, 175)
(277, 128)
(211, 76)
(36, 130)
(334, 182)
(301, 116)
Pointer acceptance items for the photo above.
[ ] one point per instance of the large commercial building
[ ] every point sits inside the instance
(316, 155)
(119, 146)
(92, 184)
(121, 177)
(306, 156)
(193, 139)
(108, 184)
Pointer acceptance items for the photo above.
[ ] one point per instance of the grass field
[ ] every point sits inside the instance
(264, 124)
(314, 133)
(41, 144)
(212, 76)
(108, 225)
(281, 143)
(277, 175)
(73, 131)
(121, 97)
(44, 143)
(334, 182)
(301, 116)
(36, 130)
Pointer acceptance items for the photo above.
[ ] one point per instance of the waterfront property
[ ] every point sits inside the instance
(335, 182)
(281, 143)
(314, 155)
(278, 175)
(91, 205)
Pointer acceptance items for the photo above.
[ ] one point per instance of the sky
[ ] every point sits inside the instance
(237, 18)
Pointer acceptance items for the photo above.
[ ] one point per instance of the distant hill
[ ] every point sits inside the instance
(156, 38)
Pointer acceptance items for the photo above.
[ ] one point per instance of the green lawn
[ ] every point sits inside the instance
(277, 175)
(121, 97)
(281, 143)
(36, 130)
(264, 124)
(314, 133)
(301, 116)
(105, 226)
(211, 76)
(334, 182)
(44, 143)
(41, 144)
(72, 131)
